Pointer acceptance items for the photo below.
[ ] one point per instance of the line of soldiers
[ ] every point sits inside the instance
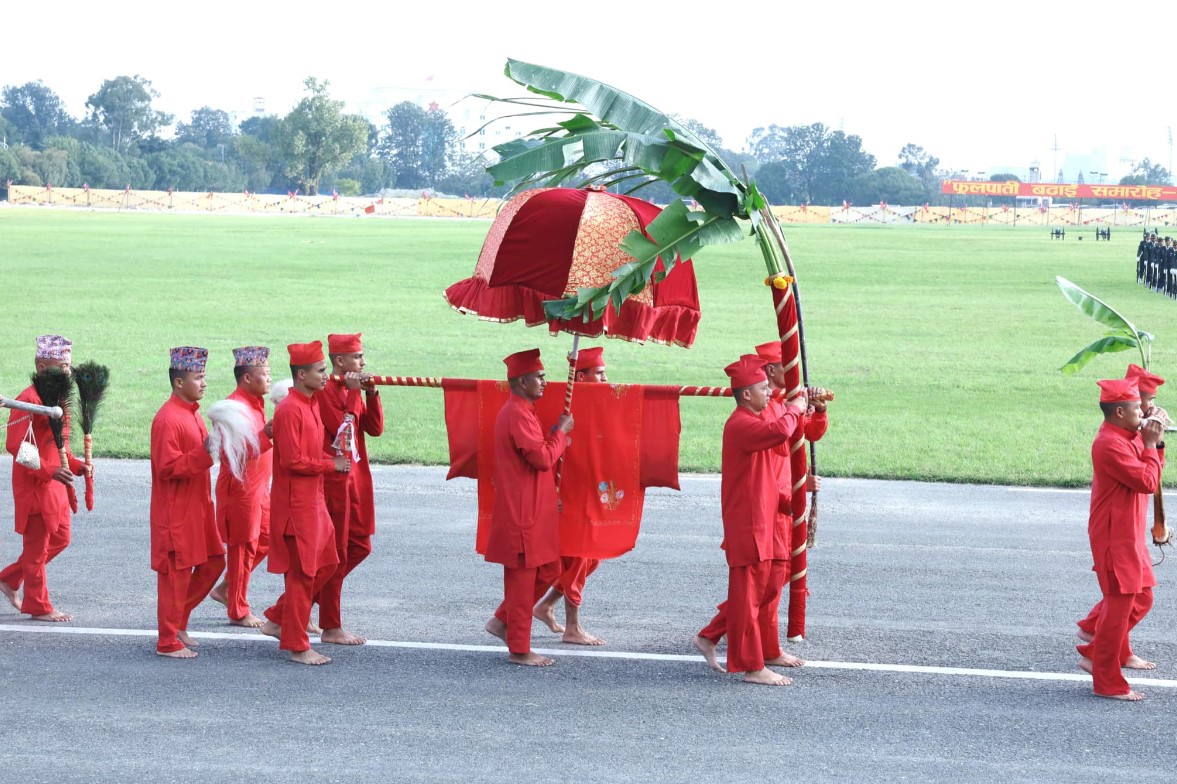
(1156, 264)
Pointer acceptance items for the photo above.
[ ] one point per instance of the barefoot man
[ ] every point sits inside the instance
(186, 549)
(350, 499)
(302, 539)
(1149, 384)
(243, 507)
(757, 555)
(525, 524)
(574, 570)
(1126, 460)
(40, 496)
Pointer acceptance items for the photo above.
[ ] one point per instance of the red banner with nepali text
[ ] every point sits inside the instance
(1059, 190)
(626, 439)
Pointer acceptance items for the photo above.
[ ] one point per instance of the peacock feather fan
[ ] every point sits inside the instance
(92, 380)
(55, 387)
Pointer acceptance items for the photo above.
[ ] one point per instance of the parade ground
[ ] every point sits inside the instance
(941, 633)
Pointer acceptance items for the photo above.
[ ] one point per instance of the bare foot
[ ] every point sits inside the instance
(220, 593)
(1085, 664)
(578, 636)
(545, 612)
(497, 628)
(341, 637)
(530, 659)
(186, 638)
(10, 593)
(1085, 636)
(1136, 663)
(270, 629)
(309, 656)
(707, 648)
(1132, 696)
(785, 660)
(250, 621)
(766, 677)
(58, 617)
(314, 629)
(183, 653)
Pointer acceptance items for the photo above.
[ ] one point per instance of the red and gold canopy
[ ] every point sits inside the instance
(549, 242)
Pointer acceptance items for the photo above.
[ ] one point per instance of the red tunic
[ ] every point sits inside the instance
(297, 504)
(335, 401)
(182, 518)
(35, 492)
(242, 506)
(1125, 474)
(748, 488)
(525, 521)
(815, 427)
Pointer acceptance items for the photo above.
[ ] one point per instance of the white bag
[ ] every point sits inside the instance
(28, 455)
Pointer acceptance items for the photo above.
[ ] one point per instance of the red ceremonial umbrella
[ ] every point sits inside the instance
(549, 242)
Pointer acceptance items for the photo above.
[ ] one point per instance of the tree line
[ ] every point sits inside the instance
(318, 147)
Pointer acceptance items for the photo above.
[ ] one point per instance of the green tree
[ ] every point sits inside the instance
(9, 166)
(401, 146)
(34, 112)
(317, 139)
(922, 165)
(439, 143)
(816, 165)
(1145, 173)
(891, 184)
(209, 127)
(122, 107)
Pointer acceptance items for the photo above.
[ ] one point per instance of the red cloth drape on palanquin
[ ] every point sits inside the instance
(545, 244)
(626, 439)
(550, 242)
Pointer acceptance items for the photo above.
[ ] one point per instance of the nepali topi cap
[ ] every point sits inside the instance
(1148, 382)
(523, 362)
(54, 347)
(770, 352)
(589, 358)
(746, 371)
(1118, 390)
(190, 359)
(250, 356)
(345, 344)
(305, 353)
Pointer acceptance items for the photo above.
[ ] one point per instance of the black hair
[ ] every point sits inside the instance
(295, 368)
(173, 374)
(1109, 409)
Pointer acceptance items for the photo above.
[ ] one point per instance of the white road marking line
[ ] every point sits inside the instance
(599, 654)
(1049, 490)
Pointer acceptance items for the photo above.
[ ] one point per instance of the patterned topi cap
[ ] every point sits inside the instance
(251, 356)
(189, 359)
(54, 347)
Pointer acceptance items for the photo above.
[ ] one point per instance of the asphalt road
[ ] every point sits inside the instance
(949, 577)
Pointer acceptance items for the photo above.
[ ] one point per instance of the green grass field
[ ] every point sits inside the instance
(942, 343)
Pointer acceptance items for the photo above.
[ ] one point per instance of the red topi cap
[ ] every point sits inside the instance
(305, 353)
(589, 358)
(523, 362)
(770, 352)
(1148, 382)
(1118, 390)
(345, 344)
(746, 371)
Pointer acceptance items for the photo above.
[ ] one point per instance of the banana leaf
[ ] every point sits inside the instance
(1107, 345)
(1093, 306)
(1123, 336)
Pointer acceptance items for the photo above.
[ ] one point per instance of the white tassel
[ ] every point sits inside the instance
(233, 438)
(281, 390)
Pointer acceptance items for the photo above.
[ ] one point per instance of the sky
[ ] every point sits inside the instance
(984, 86)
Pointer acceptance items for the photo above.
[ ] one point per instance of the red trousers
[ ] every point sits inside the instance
(292, 611)
(522, 588)
(178, 592)
(1110, 648)
(242, 560)
(330, 596)
(749, 616)
(1088, 623)
(40, 547)
(574, 572)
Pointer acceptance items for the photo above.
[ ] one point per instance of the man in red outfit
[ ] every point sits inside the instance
(1149, 384)
(757, 554)
(350, 499)
(525, 524)
(574, 570)
(40, 497)
(302, 539)
(1127, 459)
(814, 424)
(186, 549)
(243, 505)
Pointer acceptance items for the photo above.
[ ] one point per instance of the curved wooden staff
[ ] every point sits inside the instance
(568, 398)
